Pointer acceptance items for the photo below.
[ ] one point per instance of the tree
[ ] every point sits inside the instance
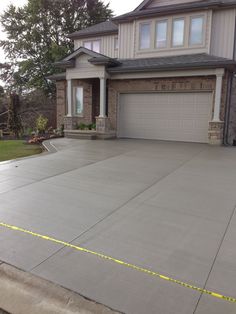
(14, 122)
(36, 38)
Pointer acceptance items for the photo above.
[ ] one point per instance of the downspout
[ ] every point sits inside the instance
(229, 98)
(228, 110)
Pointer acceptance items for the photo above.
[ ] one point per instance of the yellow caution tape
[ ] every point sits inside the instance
(140, 269)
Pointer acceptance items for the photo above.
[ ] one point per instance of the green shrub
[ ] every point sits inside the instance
(41, 124)
(92, 126)
(81, 126)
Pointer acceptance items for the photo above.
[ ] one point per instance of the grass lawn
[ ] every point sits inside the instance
(17, 149)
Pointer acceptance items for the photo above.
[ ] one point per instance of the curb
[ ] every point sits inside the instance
(22, 292)
(50, 148)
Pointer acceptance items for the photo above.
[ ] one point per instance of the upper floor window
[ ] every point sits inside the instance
(116, 43)
(178, 32)
(196, 30)
(93, 45)
(161, 34)
(145, 35)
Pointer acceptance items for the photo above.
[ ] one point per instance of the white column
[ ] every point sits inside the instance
(102, 97)
(218, 93)
(69, 98)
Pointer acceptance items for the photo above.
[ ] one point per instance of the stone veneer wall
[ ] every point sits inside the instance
(164, 85)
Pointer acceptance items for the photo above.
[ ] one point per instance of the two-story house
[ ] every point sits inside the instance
(163, 71)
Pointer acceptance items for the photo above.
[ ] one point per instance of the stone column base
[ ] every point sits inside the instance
(70, 123)
(215, 133)
(103, 125)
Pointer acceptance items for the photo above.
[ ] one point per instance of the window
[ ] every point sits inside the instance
(78, 100)
(196, 30)
(96, 46)
(161, 34)
(116, 43)
(178, 32)
(88, 45)
(92, 45)
(145, 36)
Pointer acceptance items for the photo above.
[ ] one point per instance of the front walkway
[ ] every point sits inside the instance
(168, 207)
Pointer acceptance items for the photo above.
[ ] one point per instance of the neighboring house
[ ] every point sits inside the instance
(163, 71)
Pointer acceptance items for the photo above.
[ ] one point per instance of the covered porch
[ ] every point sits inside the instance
(86, 113)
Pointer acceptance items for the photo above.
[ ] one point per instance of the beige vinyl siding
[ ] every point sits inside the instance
(223, 25)
(126, 40)
(170, 51)
(107, 44)
(159, 3)
(84, 69)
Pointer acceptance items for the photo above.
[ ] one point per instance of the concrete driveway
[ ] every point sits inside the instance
(165, 206)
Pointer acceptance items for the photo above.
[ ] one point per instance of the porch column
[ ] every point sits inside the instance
(69, 98)
(218, 93)
(102, 122)
(216, 126)
(102, 98)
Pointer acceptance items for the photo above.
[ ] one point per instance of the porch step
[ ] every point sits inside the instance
(89, 135)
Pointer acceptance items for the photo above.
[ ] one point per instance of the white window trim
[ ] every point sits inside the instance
(205, 46)
(203, 16)
(151, 39)
(74, 101)
(167, 33)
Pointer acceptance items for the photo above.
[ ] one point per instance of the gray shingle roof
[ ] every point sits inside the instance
(194, 61)
(107, 27)
(170, 63)
(176, 8)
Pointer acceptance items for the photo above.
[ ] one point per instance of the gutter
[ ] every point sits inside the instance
(169, 67)
(92, 34)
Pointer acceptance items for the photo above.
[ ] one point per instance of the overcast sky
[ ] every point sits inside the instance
(118, 6)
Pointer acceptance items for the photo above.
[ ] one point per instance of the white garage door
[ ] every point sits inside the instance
(165, 116)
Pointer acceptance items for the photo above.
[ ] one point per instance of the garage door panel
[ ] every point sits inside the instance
(165, 116)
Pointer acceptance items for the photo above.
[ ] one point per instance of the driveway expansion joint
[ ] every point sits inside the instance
(217, 253)
(118, 208)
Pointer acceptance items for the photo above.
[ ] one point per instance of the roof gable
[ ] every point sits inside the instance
(173, 7)
(147, 4)
(92, 57)
(82, 50)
